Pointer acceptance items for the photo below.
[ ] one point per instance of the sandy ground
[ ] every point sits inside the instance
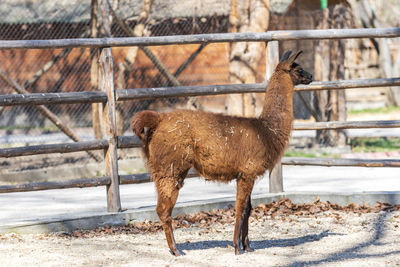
(326, 239)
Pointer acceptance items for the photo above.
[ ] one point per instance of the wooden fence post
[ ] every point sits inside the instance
(106, 84)
(276, 179)
(271, 60)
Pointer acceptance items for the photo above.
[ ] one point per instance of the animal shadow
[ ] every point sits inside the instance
(257, 244)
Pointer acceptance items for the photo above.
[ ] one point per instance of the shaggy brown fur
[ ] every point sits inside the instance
(221, 148)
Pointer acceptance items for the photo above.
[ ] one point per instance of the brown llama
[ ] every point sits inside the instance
(221, 148)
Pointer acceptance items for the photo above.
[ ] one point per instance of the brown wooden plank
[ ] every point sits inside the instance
(203, 38)
(135, 178)
(128, 141)
(106, 84)
(80, 183)
(346, 125)
(52, 98)
(53, 148)
(349, 84)
(182, 91)
(328, 162)
(276, 178)
(145, 177)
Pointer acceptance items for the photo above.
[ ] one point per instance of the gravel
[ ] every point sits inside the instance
(326, 238)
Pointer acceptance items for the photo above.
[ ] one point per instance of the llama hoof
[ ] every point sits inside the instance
(249, 249)
(177, 252)
(238, 252)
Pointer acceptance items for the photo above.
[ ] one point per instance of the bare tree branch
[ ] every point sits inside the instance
(157, 63)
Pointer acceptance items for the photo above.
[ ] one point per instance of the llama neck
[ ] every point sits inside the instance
(278, 105)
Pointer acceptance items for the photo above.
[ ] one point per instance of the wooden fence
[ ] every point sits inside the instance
(108, 96)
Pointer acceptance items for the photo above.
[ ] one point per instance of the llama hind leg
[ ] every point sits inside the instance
(167, 194)
(243, 192)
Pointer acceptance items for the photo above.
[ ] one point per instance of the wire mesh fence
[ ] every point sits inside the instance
(71, 70)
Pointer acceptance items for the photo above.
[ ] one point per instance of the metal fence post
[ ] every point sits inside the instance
(271, 60)
(106, 84)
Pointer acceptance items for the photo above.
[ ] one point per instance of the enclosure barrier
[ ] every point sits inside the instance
(108, 96)
(181, 91)
(205, 38)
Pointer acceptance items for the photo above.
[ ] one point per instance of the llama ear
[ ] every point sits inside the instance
(293, 58)
(286, 55)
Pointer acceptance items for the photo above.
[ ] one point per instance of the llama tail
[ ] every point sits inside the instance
(143, 125)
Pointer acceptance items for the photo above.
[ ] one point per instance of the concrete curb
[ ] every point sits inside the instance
(148, 213)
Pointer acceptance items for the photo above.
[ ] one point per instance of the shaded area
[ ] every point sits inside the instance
(257, 244)
(356, 251)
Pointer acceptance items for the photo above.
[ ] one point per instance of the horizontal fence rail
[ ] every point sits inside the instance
(181, 91)
(349, 84)
(327, 162)
(80, 183)
(122, 142)
(336, 125)
(134, 141)
(129, 142)
(37, 186)
(145, 177)
(204, 38)
(53, 98)
(53, 148)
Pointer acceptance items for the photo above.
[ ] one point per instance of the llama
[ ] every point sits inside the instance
(220, 147)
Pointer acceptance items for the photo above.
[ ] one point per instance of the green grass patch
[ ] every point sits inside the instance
(384, 144)
(383, 110)
(308, 154)
(301, 154)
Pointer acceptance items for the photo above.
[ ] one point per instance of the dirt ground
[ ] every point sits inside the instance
(317, 237)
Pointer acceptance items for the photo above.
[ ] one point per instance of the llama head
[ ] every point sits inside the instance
(296, 72)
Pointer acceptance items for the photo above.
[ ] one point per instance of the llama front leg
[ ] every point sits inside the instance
(243, 192)
(167, 194)
(245, 227)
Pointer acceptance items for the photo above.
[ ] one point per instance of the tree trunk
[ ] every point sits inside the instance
(386, 66)
(245, 16)
(321, 73)
(329, 65)
(341, 18)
